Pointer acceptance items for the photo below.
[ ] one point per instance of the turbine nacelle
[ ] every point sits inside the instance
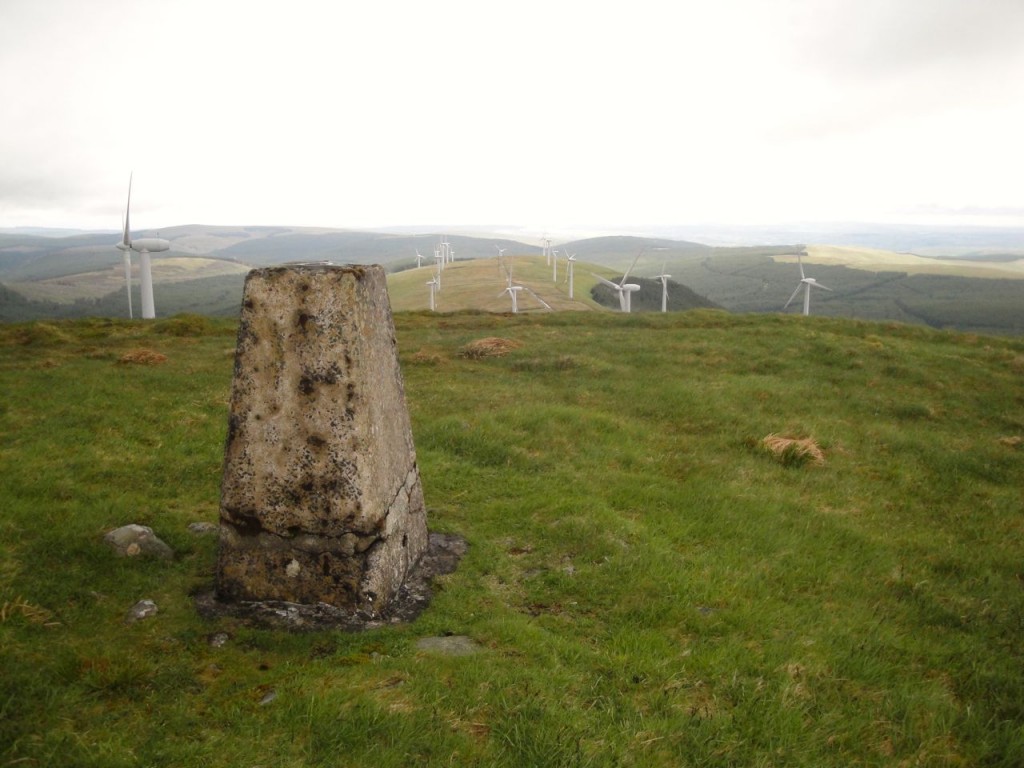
(149, 245)
(623, 289)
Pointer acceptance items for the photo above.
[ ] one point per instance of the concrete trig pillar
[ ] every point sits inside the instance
(320, 498)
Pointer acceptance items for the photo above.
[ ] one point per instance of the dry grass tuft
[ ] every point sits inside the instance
(32, 613)
(492, 346)
(142, 357)
(1012, 442)
(793, 450)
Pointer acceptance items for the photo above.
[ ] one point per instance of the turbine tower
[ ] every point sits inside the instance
(806, 283)
(432, 283)
(419, 259)
(571, 260)
(143, 246)
(664, 289)
(439, 260)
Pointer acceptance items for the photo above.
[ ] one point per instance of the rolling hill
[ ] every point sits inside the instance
(79, 275)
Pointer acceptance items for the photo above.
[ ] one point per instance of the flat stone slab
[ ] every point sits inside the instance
(444, 551)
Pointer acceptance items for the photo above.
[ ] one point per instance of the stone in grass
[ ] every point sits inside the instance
(450, 645)
(203, 528)
(137, 541)
(141, 610)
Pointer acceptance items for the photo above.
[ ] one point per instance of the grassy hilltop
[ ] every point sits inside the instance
(649, 584)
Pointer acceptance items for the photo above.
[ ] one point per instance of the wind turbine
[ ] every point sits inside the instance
(143, 246)
(419, 259)
(501, 252)
(439, 260)
(513, 291)
(806, 283)
(664, 288)
(624, 289)
(570, 261)
(433, 283)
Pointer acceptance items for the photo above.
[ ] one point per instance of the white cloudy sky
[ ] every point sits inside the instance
(532, 112)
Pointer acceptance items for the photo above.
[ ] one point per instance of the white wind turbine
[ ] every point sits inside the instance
(437, 275)
(143, 246)
(554, 269)
(433, 283)
(664, 288)
(513, 291)
(570, 261)
(806, 283)
(419, 259)
(624, 289)
(508, 271)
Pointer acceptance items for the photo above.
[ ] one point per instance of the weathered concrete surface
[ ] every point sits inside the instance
(320, 498)
(443, 554)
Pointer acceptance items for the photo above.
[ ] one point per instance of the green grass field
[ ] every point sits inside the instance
(649, 586)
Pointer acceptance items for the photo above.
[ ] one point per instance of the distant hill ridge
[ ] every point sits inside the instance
(47, 276)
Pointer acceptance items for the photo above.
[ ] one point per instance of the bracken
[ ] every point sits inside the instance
(792, 450)
(491, 346)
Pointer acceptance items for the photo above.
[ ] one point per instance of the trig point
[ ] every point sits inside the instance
(321, 499)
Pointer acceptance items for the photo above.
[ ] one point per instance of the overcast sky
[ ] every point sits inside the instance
(539, 113)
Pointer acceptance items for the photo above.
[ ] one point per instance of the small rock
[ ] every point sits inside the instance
(268, 697)
(218, 639)
(135, 540)
(203, 528)
(453, 645)
(141, 610)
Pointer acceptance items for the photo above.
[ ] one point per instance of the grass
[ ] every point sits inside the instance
(649, 585)
(478, 285)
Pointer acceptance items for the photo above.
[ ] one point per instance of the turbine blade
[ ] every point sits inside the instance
(127, 240)
(816, 284)
(793, 296)
(609, 283)
(638, 255)
(800, 261)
